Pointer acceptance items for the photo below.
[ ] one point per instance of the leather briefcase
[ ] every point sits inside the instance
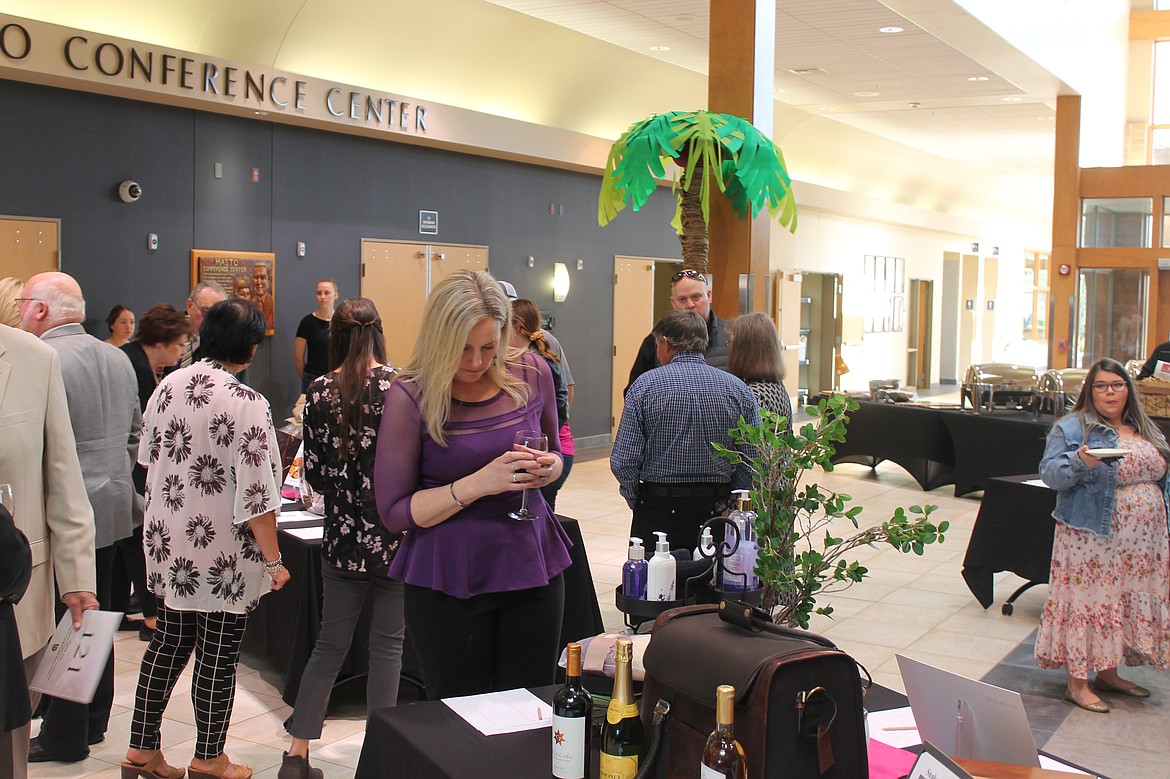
(798, 699)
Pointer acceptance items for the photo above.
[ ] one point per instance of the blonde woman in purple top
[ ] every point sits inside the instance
(484, 593)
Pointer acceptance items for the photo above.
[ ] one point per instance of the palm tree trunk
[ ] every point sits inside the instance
(694, 233)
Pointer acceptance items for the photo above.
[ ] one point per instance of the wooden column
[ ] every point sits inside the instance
(1066, 214)
(742, 62)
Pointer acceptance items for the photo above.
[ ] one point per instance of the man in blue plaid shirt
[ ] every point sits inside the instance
(662, 456)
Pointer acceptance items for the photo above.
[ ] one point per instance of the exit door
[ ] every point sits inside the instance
(399, 277)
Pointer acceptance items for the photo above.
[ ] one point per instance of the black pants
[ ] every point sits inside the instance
(67, 728)
(495, 641)
(130, 573)
(679, 518)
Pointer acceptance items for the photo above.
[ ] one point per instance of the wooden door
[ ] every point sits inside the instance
(29, 246)
(448, 258)
(633, 318)
(919, 325)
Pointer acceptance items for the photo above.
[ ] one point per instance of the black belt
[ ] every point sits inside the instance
(684, 490)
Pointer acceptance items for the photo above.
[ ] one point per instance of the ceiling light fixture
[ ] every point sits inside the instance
(806, 71)
(977, 78)
(1012, 99)
(866, 94)
(659, 48)
(890, 30)
(826, 108)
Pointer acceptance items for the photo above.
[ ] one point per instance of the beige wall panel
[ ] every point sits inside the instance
(990, 293)
(968, 317)
(633, 318)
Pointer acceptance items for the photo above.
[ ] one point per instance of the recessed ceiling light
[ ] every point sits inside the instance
(826, 108)
(806, 71)
(1012, 99)
(659, 48)
(977, 78)
(866, 94)
(890, 30)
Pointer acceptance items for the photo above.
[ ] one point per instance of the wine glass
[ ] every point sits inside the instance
(528, 439)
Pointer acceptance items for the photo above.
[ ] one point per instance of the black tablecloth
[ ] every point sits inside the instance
(911, 436)
(1013, 532)
(429, 741)
(940, 446)
(287, 622)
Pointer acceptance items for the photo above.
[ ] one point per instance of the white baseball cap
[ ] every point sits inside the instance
(509, 290)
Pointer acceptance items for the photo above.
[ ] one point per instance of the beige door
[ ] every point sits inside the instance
(29, 246)
(398, 277)
(787, 318)
(633, 318)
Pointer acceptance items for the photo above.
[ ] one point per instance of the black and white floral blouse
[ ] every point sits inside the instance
(210, 449)
(355, 538)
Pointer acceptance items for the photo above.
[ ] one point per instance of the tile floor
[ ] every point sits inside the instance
(919, 606)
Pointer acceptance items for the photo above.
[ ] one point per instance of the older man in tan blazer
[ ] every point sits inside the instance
(39, 458)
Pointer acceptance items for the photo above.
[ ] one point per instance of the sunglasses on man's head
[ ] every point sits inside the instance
(688, 273)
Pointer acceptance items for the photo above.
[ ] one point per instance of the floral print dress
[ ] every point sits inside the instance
(210, 449)
(355, 540)
(1108, 595)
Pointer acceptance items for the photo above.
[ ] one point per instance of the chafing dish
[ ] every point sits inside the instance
(1058, 390)
(988, 383)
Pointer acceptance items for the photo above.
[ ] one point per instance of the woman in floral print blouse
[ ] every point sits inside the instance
(343, 411)
(209, 535)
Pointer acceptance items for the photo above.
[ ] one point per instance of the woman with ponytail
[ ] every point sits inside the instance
(343, 412)
(528, 335)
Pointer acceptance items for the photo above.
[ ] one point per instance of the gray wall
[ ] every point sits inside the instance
(63, 153)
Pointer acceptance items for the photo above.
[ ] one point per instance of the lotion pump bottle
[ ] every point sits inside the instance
(706, 544)
(660, 571)
(741, 564)
(634, 572)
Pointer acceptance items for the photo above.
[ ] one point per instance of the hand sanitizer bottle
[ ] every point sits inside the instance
(634, 572)
(660, 571)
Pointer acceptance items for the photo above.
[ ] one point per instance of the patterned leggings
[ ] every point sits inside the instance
(215, 638)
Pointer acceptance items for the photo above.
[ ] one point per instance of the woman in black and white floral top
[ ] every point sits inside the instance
(343, 412)
(209, 535)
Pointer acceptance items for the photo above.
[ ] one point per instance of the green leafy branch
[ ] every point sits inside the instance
(800, 558)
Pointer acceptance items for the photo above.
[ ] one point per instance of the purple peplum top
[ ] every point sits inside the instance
(480, 549)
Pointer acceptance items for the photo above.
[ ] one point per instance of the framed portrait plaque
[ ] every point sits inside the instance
(247, 275)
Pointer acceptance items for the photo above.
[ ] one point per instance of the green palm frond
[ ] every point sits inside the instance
(751, 169)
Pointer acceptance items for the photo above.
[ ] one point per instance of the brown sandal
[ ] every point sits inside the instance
(154, 768)
(219, 770)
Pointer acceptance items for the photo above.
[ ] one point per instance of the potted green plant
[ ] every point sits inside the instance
(745, 165)
(797, 565)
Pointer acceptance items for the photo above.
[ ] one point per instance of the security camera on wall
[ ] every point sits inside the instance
(129, 191)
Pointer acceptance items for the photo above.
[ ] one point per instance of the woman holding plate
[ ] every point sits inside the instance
(1109, 589)
(483, 590)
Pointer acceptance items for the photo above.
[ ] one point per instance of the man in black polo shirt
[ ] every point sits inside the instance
(688, 291)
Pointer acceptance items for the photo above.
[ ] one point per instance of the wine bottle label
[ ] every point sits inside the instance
(618, 767)
(619, 711)
(707, 772)
(568, 747)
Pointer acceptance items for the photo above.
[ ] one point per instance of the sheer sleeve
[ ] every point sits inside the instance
(396, 466)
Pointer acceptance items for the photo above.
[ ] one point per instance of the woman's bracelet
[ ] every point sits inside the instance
(272, 566)
(455, 498)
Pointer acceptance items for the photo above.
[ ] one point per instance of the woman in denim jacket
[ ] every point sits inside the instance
(1109, 585)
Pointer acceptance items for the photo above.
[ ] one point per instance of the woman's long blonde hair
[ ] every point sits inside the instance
(457, 304)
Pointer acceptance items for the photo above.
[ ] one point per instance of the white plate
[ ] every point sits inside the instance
(1107, 454)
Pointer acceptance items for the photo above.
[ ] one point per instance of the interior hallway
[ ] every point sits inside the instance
(916, 605)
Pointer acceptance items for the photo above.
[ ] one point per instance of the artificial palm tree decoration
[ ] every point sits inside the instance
(747, 167)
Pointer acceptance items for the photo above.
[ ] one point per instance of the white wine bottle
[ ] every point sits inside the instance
(723, 756)
(623, 742)
(572, 730)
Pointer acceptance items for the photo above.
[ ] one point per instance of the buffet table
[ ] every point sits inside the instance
(287, 622)
(1013, 532)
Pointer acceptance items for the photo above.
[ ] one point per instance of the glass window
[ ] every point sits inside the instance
(1111, 308)
(1160, 146)
(1117, 221)
(1161, 105)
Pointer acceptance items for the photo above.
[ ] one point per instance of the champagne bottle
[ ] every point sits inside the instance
(723, 757)
(622, 739)
(572, 730)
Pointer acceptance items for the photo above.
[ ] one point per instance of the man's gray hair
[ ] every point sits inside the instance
(61, 294)
(683, 330)
(212, 285)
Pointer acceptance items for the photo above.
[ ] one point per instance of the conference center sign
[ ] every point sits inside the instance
(59, 56)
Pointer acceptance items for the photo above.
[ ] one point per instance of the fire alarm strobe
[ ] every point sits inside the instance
(1064, 269)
